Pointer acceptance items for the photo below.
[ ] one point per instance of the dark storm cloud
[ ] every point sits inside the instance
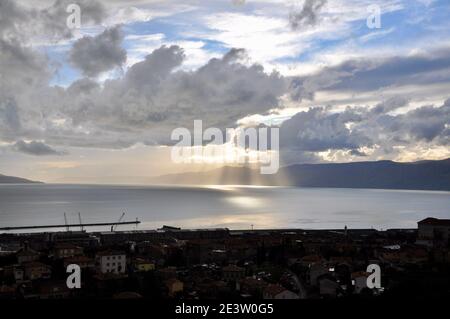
(390, 105)
(359, 75)
(35, 148)
(426, 124)
(9, 117)
(308, 15)
(94, 55)
(318, 130)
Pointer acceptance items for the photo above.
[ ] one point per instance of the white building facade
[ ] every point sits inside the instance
(111, 262)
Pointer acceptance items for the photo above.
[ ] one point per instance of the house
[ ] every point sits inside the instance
(127, 295)
(36, 270)
(253, 286)
(174, 286)
(209, 288)
(15, 272)
(315, 271)
(167, 273)
(233, 273)
(433, 230)
(53, 290)
(359, 280)
(143, 265)
(328, 287)
(82, 261)
(7, 292)
(19, 274)
(26, 254)
(278, 292)
(64, 250)
(310, 260)
(111, 262)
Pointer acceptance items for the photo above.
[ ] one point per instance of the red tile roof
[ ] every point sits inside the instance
(273, 290)
(110, 253)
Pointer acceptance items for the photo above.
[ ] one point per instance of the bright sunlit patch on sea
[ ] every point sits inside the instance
(245, 201)
(236, 187)
(231, 221)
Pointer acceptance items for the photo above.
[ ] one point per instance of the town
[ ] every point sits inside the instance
(191, 264)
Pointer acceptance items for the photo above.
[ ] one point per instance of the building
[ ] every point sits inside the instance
(36, 270)
(359, 281)
(278, 292)
(26, 255)
(434, 231)
(111, 262)
(315, 271)
(53, 290)
(64, 250)
(142, 265)
(252, 286)
(16, 272)
(233, 273)
(328, 287)
(174, 286)
(82, 261)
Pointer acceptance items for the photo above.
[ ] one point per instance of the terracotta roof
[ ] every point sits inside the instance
(127, 295)
(232, 268)
(49, 287)
(66, 246)
(312, 259)
(35, 264)
(78, 259)
(435, 222)
(142, 261)
(110, 253)
(360, 274)
(27, 252)
(172, 281)
(274, 290)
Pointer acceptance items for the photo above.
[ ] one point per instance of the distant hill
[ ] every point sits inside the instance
(14, 180)
(423, 175)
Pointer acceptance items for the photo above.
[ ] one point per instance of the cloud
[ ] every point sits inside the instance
(416, 72)
(25, 22)
(155, 96)
(308, 15)
(158, 93)
(94, 55)
(318, 130)
(9, 116)
(366, 132)
(35, 148)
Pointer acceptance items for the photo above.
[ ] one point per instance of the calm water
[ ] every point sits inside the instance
(233, 207)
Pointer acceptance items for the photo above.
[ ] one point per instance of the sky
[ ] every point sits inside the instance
(97, 103)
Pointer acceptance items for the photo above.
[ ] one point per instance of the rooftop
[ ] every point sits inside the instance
(110, 253)
(435, 222)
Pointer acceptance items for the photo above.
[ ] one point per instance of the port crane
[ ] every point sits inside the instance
(113, 227)
(65, 222)
(81, 223)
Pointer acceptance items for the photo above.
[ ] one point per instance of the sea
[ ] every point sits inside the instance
(216, 206)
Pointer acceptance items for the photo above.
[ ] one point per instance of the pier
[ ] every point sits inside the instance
(68, 226)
